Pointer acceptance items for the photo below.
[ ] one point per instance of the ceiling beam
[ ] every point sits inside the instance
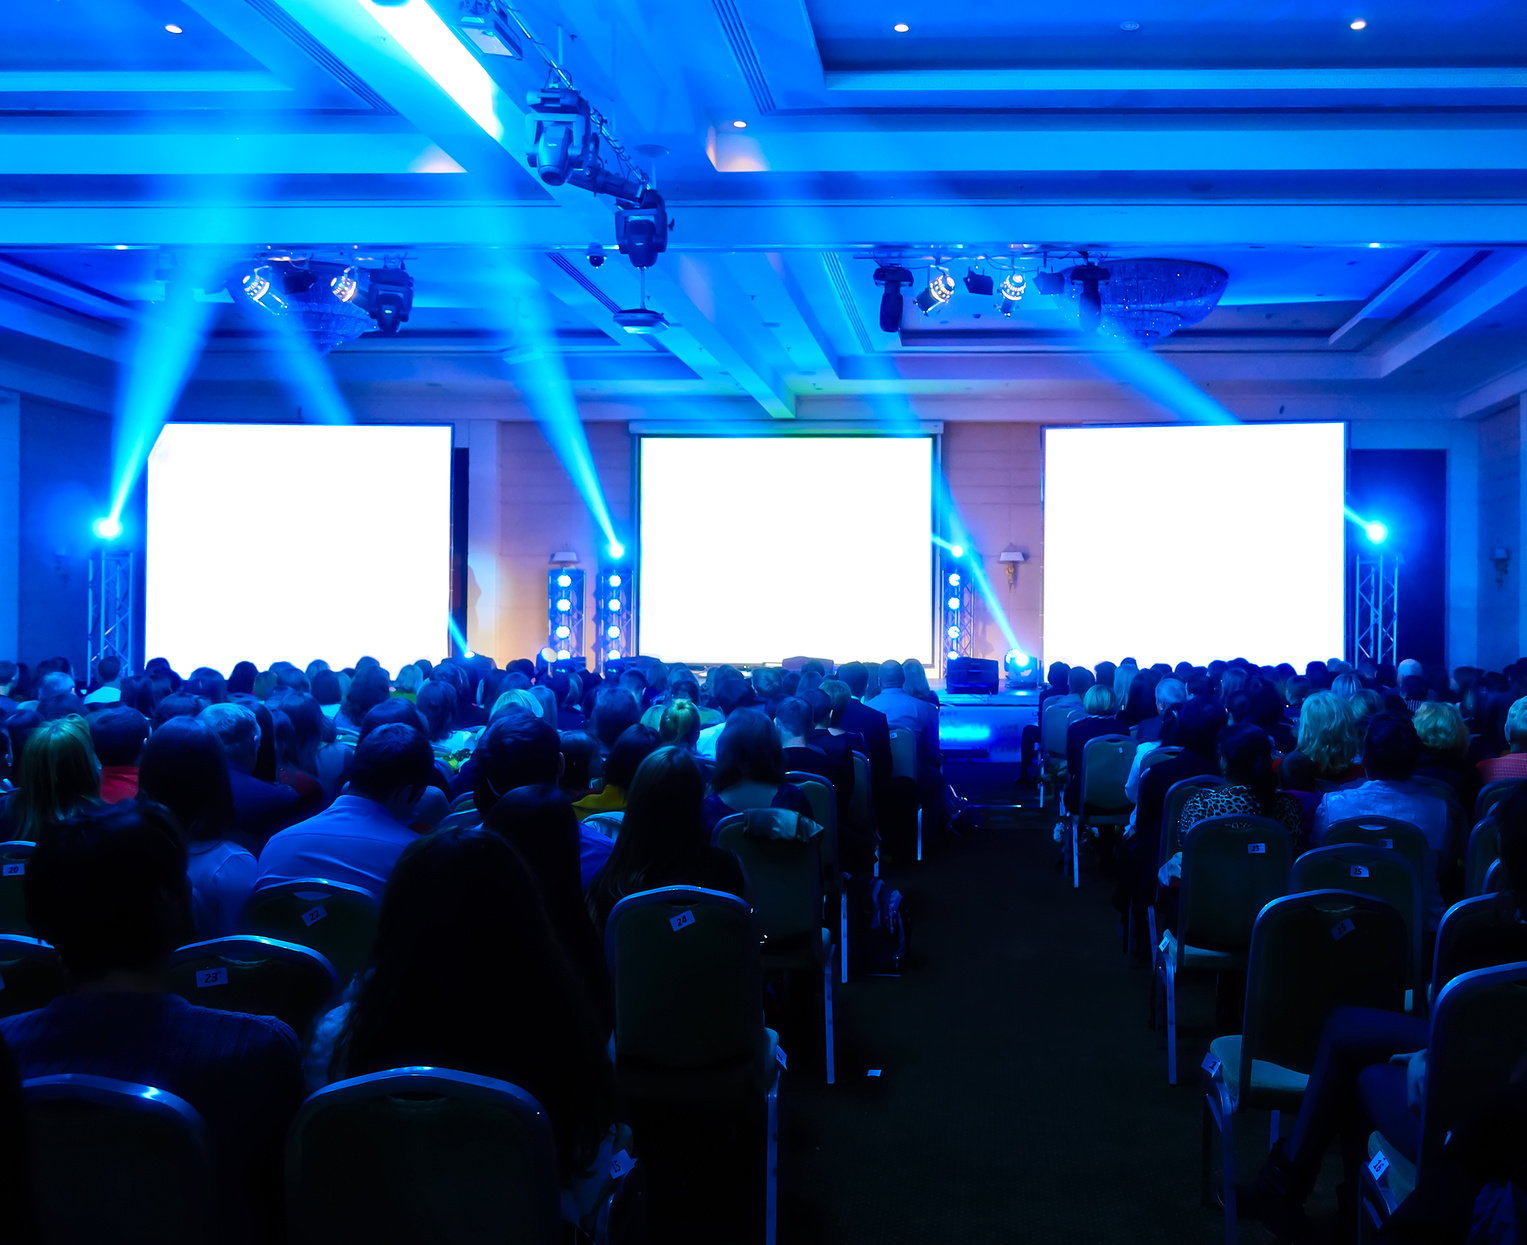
(206, 154)
(21, 314)
(1418, 279)
(1484, 398)
(1061, 80)
(1497, 278)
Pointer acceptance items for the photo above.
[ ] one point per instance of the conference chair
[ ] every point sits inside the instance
(1478, 1033)
(13, 867)
(1310, 953)
(1482, 850)
(788, 881)
(1495, 875)
(1106, 763)
(466, 819)
(1052, 740)
(261, 976)
(116, 1161)
(1375, 871)
(1492, 793)
(1231, 868)
(31, 974)
(687, 973)
(1390, 833)
(1177, 797)
(860, 807)
(1480, 932)
(336, 920)
(904, 774)
(823, 798)
(422, 1154)
(1157, 755)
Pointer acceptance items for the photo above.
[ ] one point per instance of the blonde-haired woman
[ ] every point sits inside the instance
(1445, 749)
(58, 776)
(1514, 763)
(1328, 738)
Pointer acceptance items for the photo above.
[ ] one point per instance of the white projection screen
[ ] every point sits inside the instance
(1190, 544)
(271, 542)
(753, 549)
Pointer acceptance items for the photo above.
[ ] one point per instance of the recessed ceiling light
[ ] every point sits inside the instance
(174, 29)
(739, 125)
(1129, 25)
(120, 246)
(901, 28)
(1359, 24)
(1373, 246)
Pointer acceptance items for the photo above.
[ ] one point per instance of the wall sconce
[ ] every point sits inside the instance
(1502, 560)
(1010, 558)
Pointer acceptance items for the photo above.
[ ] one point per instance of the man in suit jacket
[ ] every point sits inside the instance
(261, 808)
(861, 719)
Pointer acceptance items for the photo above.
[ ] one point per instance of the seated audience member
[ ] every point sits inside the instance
(547, 699)
(914, 682)
(1078, 680)
(630, 750)
(208, 684)
(262, 808)
(107, 688)
(1328, 741)
(185, 770)
(517, 750)
(679, 723)
(59, 702)
(1445, 750)
(140, 694)
(750, 770)
(469, 974)
(768, 684)
(838, 744)
(580, 755)
(57, 776)
(1369, 1074)
(615, 709)
(634, 681)
(904, 710)
(1389, 759)
(1168, 694)
(108, 890)
(117, 735)
(359, 837)
(860, 719)
(1365, 705)
(517, 700)
(369, 688)
(568, 691)
(308, 755)
(177, 705)
(1245, 759)
(664, 839)
(1266, 710)
(241, 678)
(730, 695)
(327, 692)
(795, 721)
(1514, 763)
(1100, 720)
(406, 685)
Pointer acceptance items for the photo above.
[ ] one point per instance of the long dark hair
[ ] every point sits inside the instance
(184, 768)
(307, 720)
(1246, 753)
(748, 749)
(469, 974)
(663, 822)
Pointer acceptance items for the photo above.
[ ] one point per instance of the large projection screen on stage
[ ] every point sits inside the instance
(1190, 544)
(289, 542)
(753, 549)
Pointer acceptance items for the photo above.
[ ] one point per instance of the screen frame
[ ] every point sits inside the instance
(1044, 466)
(936, 517)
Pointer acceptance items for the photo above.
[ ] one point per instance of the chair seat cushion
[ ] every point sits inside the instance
(1273, 1087)
(1201, 959)
(1399, 1180)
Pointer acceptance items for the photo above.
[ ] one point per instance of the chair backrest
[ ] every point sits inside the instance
(1495, 875)
(13, 867)
(1177, 796)
(822, 796)
(108, 1153)
(1106, 762)
(1482, 850)
(786, 879)
(1231, 868)
(1480, 932)
(688, 979)
(31, 974)
(422, 1154)
(1387, 832)
(1492, 793)
(1058, 717)
(261, 976)
(334, 919)
(859, 802)
(464, 820)
(1311, 953)
(1479, 1032)
(1157, 754)
(463, 802)
(903, 753)
(1375, 871)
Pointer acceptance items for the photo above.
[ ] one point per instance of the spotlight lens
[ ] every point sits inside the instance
(468, 653)
(954, 633)
(613, 654)
(1359, 24)
(617, 550)
(613, 633)
(739, 125)
(615, 581)
(563, 654)
(562, 633)
(549, 653)
(614, 606)
(954, 579)
(1377, 533)
(957, 550)
(564, 605)
(174, 29)
(107, 528)
(901, 28)
(345, 285)
(1016, 657)
(953, 656)
(564, 581)
(954, 603)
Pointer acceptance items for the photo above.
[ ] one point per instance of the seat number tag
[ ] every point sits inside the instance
(313, 915)
(1387, 845)
(212, 977)
(1338, 932)
(620, 1165)
(779, 1053)
(1359, 871)
(1212, 1065)
(1256, 849)
(1378, 1165)
(16, 869)
(680, 921)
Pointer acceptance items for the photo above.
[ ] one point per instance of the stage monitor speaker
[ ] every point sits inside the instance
(976, 675)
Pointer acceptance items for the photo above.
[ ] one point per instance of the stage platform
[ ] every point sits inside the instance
(986, 728)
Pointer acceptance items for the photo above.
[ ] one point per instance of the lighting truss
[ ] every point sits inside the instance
(956, 600)
(1376, 618)
(564, 612)
(614, 634)
(109, 607)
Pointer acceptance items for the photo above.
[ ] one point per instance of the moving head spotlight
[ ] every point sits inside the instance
(389, 297)
(558, 129)
(641, 231)
(893, 278)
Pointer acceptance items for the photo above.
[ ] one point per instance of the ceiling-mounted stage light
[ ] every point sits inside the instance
(390, 297)
(345, 285)
(1090, 302)
(1050, 283)
(936, 293)
(1012, 291)
(260, 286)
(893, 277)
(641, 232)
(978, 283)
(557, 130)
(487, 26)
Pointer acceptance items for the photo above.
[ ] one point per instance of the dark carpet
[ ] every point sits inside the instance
(1021, 1094)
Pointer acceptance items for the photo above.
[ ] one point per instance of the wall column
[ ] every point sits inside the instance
(485, 580)
(10, 525)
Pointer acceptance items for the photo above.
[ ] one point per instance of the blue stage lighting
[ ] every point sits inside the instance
(468, 653)
(562, 633)
(613, 633)
(613, 654)
(954, 579)
(563, 654)
(564, 605)
(107, 527)
(614, 605)
(615, 581)
(954, 633)
(549, 653)
(954, 603)
(564, 581)
(953, 655)
(957, 550)
(617, 550)
(1377, 532)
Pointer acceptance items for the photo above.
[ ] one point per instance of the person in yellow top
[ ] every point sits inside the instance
(630, 750)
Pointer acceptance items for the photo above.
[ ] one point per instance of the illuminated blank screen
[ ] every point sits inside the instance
(760, 548)
(1190, 544)
(272, 542)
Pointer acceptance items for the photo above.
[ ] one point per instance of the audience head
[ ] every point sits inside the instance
(20, 726)
(748, 750)
(238, 729)
(241, 678)
(1516, 726)
(393, 765)
(892, 675)
(1443, 732)
(615, 710)
(517, 750)
(517, 700)
(209, 684)
(393, 709)
(1199, 725)
(10, 675)
(55, 683)
(680, 723)
(838, 694)
(635, 745)
(663, 823)
(731, 694)
(117, 735)
(185, 769)
(1078, 680)
(1392, 748)
(821, 708)
(855, 677)
(436, 703)
(57, 776)
(108, 669)
(141, 694)
(794, 719)
(326, 690)
(580, 753)
(108, 889)
(368, 689)
(547, 700)
(177, 706)
(767, 682)
(1326, 733)
(1245, 754)
(1364, 705)
(1099, 701)
(1104, 672)
(1170, 695)
(1409, 668)
(915, 679)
